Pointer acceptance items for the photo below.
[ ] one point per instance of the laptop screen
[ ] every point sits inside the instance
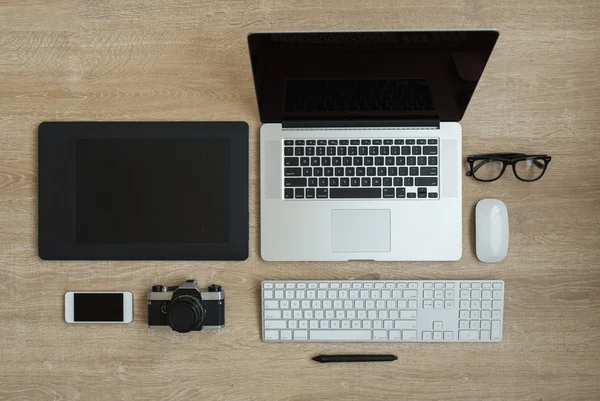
(367, 75)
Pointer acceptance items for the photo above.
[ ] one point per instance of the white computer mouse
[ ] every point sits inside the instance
(491, 230)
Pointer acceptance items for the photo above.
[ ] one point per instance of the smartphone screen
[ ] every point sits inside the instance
(98, 307)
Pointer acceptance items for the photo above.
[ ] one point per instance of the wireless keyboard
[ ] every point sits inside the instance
(382, 311)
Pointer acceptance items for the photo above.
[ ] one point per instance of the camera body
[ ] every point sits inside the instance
(186, 308)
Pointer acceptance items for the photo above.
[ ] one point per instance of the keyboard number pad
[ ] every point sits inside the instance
(479, 316)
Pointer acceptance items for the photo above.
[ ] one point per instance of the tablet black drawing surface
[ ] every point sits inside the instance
(146, 190)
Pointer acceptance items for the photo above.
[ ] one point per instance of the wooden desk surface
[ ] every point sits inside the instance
(187, 60)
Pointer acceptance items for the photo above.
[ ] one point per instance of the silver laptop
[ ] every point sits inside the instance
(361, 145)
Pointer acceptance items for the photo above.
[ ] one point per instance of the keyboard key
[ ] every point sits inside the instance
(392, 171)
(331, 151)
(347, 161)
(376, 181)
(354, 142)
(388, 193)
(400, 192)
(288, 142)
(376, 141)
(399, 141)
(344, 182)
(320, 151)
(311, 142)
(323, 182)
(292, 172)
(409, 334)
(295, 182)
(315, 161)
(426, 181)
(352, 151)
(339, 193)
(299, 142)
(318, 171)
(299, 151)
(408, 181)
(400, 161)
(288, 151)
(328, 171)
(336, 161)
(411, 161)
(416, 150)
(299, 193)
(307, 171)
(388, 142)
(398, 181)
(430, 150)
(373, 150)
(432, 141)
(468, 335)
(340, 335)
(384, 150)
(350, 171)
(405, 150)
(343, 142)
(381, 171)
(414, 171)
(332, 142)
(271, 335)
(310, 151)
(422, 160)
(321, 142)
(371, 171)
(368, 161)
(389, 160)
(355, 181)
(339, 171)
(322, 193)
(289, 193)
(432, 160)
(341, 151)
(365, 142)
(326, 161)
(304, 161)
(291, 161)
(387, 182)
(410, 141)
(365, 182)
(429, 171)
(310, 193)
(363, 151)
(395, 150)
(411, 195)
(421, 141)
(402, 171)
(379, 161)
(334, 182)
(357, 161)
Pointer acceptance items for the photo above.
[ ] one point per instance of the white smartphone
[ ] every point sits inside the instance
(98, 307)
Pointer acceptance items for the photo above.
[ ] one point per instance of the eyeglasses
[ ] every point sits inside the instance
(490, 166)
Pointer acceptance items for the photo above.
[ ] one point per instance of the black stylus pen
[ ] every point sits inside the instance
(355, 358)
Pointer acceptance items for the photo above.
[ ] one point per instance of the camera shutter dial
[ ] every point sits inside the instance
(185, 314)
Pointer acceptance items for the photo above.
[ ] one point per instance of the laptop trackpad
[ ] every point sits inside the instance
(360, 230)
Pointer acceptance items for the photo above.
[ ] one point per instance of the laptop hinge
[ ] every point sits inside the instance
(417, 123)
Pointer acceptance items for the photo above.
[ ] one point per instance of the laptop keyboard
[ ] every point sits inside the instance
(361, 168)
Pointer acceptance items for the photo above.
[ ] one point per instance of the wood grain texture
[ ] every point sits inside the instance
(187, 60)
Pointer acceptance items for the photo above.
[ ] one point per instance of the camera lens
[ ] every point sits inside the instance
(185, 314)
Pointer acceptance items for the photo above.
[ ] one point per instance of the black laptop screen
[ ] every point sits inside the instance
(367, 75)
